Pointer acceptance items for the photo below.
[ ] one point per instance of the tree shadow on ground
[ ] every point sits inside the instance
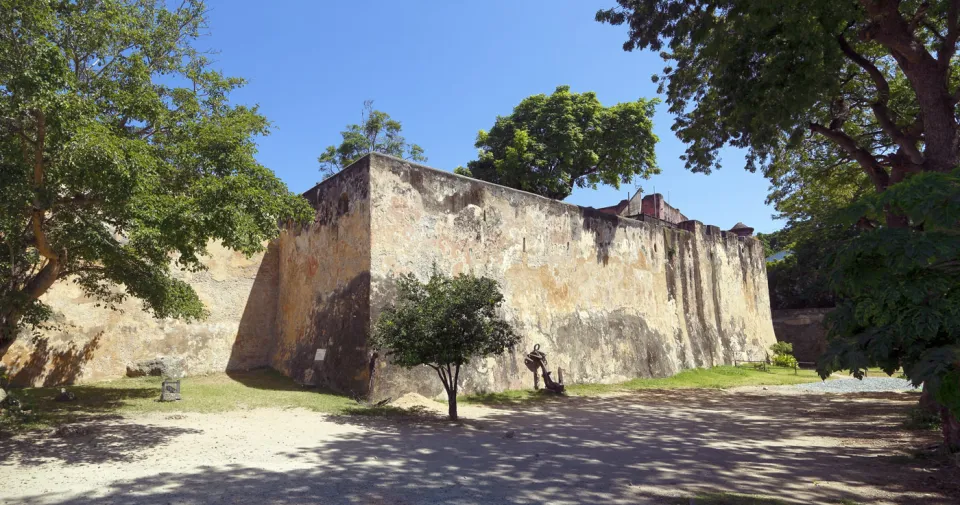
(92, 404)
(94, 440)
(649, 447)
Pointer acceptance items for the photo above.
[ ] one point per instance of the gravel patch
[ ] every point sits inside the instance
(867, 385)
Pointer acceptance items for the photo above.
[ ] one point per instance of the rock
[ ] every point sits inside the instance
(65, 396)
(163, 366)
(509, 434)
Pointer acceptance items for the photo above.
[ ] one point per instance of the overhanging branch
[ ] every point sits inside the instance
(880, 108)
(866, 160)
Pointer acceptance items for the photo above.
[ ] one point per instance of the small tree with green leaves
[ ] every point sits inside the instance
(376, 133)
(443, 324)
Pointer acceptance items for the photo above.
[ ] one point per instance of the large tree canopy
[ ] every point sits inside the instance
(120, 150)
(551, 144)
(871, 84)
(874, 81)
(377, 132)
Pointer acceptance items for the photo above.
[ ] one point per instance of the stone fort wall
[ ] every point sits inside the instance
(608, 298)
(86, 342)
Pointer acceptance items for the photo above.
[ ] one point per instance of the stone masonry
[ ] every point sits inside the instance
(608, 298)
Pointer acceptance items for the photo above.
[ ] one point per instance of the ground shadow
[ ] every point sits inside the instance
(93, 440)
(649, 447)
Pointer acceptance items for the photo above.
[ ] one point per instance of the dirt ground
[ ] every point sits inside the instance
(645, 447)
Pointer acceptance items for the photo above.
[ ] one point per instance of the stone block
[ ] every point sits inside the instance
(163, 366)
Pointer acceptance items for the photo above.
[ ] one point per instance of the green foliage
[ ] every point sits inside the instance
(801, 280)
(443, 324)
(900, 289)
(119, 149)
(376, 133)
(784, 360)
(551, 144)
(761, 74)
(782, 348)
(783, 355)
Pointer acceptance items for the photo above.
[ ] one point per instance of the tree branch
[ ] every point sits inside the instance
(866, 160)
(880, 109)
(948, 45)
(43, 247)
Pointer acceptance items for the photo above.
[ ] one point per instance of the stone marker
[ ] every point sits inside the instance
(170, 391)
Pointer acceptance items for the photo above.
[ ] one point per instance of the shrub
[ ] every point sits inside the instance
(782, 348)
(785, 360)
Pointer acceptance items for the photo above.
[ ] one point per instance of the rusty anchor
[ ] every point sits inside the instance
(536, 362)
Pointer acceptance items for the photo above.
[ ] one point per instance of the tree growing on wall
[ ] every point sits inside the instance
(443, 324)
(376, 133)
(550, 144)
(869, 83)
(107, 170)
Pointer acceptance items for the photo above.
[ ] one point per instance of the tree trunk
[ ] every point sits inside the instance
(928, 403)
(951, 430)
(9, 325)
(452, 404)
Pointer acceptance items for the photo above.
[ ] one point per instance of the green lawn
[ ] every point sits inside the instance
(268, 388)
(211, 393)
(720, 377)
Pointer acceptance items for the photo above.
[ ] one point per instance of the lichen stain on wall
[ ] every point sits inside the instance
(607, 298)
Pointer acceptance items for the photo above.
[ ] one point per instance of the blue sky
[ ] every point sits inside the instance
(445, 70)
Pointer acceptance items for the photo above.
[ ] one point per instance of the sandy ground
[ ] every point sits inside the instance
(648, 447)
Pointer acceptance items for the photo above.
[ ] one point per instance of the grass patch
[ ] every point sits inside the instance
(719, 377)
(269, 388)
(211, 393)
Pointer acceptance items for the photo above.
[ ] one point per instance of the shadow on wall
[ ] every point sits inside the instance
(256, 333)
(58, 365)
(597, 450)
(340, 325)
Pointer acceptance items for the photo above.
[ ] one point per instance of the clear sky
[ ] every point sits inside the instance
(446, 69)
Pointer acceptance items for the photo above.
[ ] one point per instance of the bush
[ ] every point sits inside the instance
(785, 360)
(782, 348)
(783, 355)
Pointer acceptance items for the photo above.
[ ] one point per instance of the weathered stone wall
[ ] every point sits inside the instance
(805, 329)
(607, 298)
(324, 301)
(94, 343)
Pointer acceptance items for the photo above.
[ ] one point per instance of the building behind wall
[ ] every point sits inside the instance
(608, 297)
